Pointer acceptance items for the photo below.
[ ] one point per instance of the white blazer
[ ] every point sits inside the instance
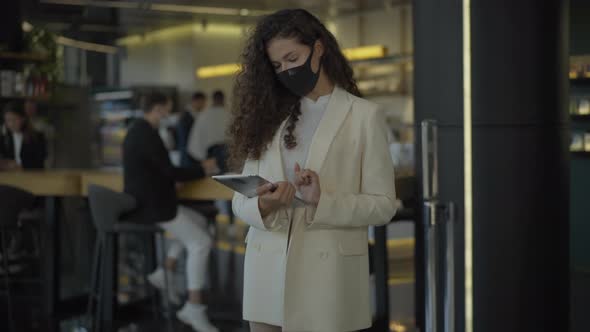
(320, 283)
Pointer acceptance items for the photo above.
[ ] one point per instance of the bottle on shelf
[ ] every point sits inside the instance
(7, 78)
(29, 86)
(573, 106)
(577, 142)
(584, 107)
(587, 142)
(19, 85)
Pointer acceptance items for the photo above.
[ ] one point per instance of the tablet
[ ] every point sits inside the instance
(247, 185)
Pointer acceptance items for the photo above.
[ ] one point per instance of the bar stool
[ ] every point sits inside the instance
(13, 202)
(107, 208)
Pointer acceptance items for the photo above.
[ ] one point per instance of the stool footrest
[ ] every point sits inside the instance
(134, 228)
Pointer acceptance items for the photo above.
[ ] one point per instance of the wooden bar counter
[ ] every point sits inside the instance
(205, 189)
(44, 183)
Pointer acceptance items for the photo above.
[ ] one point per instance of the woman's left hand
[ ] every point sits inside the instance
(307, 183)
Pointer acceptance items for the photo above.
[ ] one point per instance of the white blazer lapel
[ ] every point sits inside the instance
(336, 112)
(274, 159)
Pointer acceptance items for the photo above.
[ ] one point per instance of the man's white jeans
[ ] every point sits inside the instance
(190, 229)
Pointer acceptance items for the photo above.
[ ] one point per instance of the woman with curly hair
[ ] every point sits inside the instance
(299, 122)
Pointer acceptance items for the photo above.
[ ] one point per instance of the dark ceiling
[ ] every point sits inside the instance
(104, 20)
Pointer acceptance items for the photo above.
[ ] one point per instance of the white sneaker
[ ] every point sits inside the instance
(157, 280)
(195, 315)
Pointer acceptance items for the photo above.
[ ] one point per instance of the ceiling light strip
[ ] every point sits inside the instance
(365, 52)
(219, 70)
(173, 8)
(89, 3)
(86, 45)
(357, 53)
(195, 9)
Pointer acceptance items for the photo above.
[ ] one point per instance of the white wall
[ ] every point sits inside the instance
(173, 58)
(376, 27)
(391, 28)
(163, 62)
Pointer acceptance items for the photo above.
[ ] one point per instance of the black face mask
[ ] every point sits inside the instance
(301, 79)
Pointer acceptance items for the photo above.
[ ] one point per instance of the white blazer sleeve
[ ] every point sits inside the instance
(247, 208)
(376, 203)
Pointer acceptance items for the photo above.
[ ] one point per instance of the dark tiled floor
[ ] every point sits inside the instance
(580, 285)
(179, 327)
(151, 325)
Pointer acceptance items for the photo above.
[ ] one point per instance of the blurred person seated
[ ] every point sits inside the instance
(207, 137)
(150, 177)
(184, 126)
(21, 146)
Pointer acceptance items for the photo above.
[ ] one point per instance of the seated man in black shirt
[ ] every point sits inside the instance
(151, 178)
(21, 146)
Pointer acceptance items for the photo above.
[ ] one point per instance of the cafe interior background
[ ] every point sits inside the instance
(87, 65)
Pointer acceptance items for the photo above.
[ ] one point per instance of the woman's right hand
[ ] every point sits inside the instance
(274, 196)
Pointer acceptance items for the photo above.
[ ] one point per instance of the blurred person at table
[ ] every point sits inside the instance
(185, 124)
(150, 177)
(207, 137)
(299, 122)
(21, 146)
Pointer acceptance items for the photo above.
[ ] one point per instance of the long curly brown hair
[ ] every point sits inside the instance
(261, 103)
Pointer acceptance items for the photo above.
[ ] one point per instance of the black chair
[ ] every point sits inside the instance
(13, 202)
(107, 208)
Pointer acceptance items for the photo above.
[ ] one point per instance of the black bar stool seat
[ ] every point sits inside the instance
(107, 208)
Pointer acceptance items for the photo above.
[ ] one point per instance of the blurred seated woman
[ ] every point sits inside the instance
(21, 147)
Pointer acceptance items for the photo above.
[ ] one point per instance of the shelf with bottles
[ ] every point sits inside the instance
(112, 156)
(391, 60)
(124, 104)
(110, 95)
(23, 57)
(579, 107)
(23, 85)
(387, 76)
(40, 99)
(580, 141)
(112, 137)
(579, 70)
(114, 109)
